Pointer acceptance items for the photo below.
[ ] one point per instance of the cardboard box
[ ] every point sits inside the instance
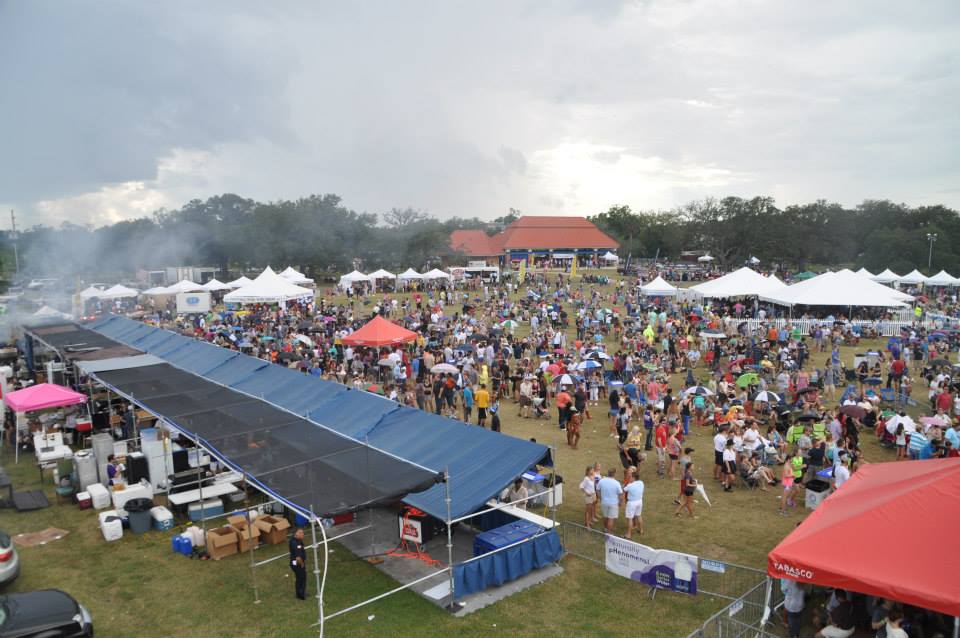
(273, 529)
(222, 542)
(248, 537)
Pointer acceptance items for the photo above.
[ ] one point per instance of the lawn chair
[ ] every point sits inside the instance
(743, 473)
(887, 395)
(849, 393)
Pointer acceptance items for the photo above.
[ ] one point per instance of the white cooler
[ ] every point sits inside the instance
(111, 529)
(99, 495)
(143, 489)
(162, 517)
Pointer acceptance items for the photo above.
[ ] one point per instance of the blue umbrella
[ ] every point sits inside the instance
(589, 364)
(873, 381)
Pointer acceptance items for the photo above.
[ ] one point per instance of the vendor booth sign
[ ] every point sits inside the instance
(658, 568)
(193, 302)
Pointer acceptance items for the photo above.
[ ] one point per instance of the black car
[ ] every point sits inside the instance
(48, 613)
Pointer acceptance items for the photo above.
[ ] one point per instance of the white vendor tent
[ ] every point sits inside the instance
(610, 257)
(753, 261)
(240, 282)
(353, 277)
(659, 288)
(381, 274)
(295, 276)
(845, 289)
(744, 282)
(47, 311)
(183, 286)
(863, 272)
(942, 278)
(118, 292)
(156, 290)
(887, 277)
(268, 287)
(409, 273)
(90, 292)
(213, 286)
(705, 258)
(436, 274)
(914, 278)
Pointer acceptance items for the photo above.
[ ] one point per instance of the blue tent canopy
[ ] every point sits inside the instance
(480, 462)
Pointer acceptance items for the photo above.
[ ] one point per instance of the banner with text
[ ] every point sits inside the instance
(658, 568)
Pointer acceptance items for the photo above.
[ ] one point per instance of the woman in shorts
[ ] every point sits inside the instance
(729, 466)
(689, 487)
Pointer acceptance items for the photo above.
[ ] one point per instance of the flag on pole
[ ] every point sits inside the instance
(573, 267)
(523, 271)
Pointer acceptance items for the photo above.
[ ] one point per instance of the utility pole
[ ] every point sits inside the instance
(13, 237)
(931, 237)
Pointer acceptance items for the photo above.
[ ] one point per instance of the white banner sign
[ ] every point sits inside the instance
(193, 302)
(659, 568)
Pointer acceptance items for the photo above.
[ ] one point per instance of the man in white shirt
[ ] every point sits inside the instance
(589, 488)
(611, 494)
(634, 507)
(719, 445)
(840, 471)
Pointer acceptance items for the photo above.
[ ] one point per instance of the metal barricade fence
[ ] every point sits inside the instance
(714, 578)
(750, 615)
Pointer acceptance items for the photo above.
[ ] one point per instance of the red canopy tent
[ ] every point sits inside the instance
(41, 397)
(887, 532)
(379, 332)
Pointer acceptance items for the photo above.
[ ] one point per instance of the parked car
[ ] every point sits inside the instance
(47, 612)
(9, 561)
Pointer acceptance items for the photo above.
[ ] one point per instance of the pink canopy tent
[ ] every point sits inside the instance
(41, 397)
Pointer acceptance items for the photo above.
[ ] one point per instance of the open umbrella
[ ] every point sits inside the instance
(385, 363)
(939, 362)
(749, 378)
(589, 364)
(698, 390)
(807, 416)
(873, 380)
(565, 379)
(444, 368)
(598, 354)
(713, 335)
(767, 397)
(853, 410)
(896, 419)
(650, 367)
(509, 324)
(806, 390)
(304, 339)
(936, 420)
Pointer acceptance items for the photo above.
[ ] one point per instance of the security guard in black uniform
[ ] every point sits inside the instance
(298, 563)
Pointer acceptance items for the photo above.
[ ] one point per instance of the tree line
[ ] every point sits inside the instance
(877, 234)
(321, 235)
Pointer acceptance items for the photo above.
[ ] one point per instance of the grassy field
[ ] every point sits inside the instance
(138, 587)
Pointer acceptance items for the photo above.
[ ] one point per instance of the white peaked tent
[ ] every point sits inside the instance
(753, 260)
(887, 277)
(268, 287)
(436, 274)
(610, 257)
(183, 286)
(942, 278)
(381, 274)
(409, 273)
(914, 278)
(90, 292)
(659, 288)
(863, 272)
(47, 311)
(743, 282)
(844, 289)
(118, 292)
(240, 282)
(156, 290)
(705, 258)
(294, 276)
(353, 277)
(213, 285)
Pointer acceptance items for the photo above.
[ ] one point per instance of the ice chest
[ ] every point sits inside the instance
(221, 542)
(84, 500)
(162, 517)
(110, 525)
(273, 529)
(817, 491)
(205, 509)
(99, 496)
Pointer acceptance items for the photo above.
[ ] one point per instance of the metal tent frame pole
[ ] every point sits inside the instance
(203, 514)
(253, 562)
(314, 522)
(446, 498)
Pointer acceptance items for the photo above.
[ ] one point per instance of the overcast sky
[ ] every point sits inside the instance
(113, 109)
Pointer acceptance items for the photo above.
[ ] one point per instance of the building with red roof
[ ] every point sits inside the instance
(546, 237)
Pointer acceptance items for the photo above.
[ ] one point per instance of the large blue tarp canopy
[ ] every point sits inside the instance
(480, 462)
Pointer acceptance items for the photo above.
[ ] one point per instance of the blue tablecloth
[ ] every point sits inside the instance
(504, 535)
(493, 570)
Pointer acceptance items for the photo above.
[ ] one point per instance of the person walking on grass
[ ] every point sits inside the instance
(482, 400)
(729, 466)
(634, 507)
(589, 488)
(611, 495)
(689, 487)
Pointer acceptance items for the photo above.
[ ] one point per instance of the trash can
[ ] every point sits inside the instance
(138, 512)
(817, 491)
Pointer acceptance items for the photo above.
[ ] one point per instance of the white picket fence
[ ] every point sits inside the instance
(887, 328)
